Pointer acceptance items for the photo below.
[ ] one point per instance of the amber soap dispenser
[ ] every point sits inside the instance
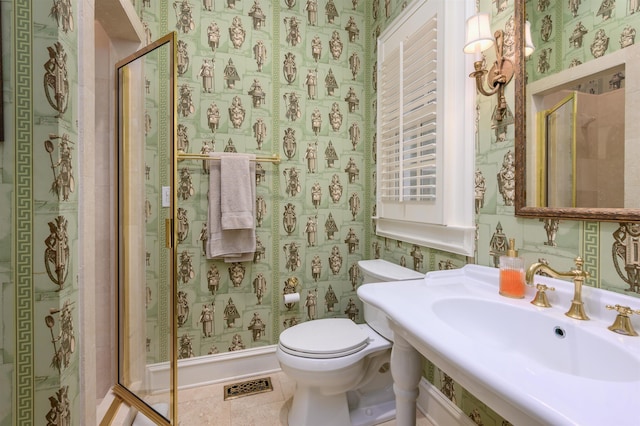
(512, 273)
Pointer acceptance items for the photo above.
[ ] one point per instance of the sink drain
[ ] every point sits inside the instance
(559, 332)
(250, 387)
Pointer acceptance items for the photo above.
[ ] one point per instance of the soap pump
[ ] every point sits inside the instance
(512, 273)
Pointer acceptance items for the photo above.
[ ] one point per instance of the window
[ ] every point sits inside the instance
(425, 129)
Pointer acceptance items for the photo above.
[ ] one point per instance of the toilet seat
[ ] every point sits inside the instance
(325, 338)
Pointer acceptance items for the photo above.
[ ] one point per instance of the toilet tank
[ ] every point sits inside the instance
(375, 271)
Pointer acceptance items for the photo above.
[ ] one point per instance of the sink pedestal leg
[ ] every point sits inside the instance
(406, 366)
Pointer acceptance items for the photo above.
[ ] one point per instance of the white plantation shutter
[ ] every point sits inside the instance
(421, 86)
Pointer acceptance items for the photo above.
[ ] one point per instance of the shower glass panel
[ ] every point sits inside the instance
(146, 170)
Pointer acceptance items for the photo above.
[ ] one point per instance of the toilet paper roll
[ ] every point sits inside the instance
(291, 297)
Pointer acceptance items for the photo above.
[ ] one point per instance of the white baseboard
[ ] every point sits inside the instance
(210, 369)
(438, 409)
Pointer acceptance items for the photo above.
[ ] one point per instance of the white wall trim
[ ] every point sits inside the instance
(438, 409)
(211, 369)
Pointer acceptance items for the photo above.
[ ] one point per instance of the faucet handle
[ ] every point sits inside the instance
(622, 323)
(541, 296)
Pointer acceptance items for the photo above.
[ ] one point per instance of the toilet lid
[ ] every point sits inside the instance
(325, 338)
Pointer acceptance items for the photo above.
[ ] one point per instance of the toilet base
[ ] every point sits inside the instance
(369, 416)
(310, 407)
(341, 409)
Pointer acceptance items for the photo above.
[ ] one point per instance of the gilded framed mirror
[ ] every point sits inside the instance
(572, 160)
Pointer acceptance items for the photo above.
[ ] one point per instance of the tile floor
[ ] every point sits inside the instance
(206, 406)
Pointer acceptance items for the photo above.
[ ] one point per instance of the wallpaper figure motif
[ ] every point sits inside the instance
(260, 287)
(236, 273)
(237, 112)
(258, 17)
(627, 37)
(330, 227)
(600, 44)
(311, 303)
(213, 36)
(237, 33)
(236, 343)
(260, 54)
(185, 101)
(184, 16)
(63, 181)
(311, 81)
(257, 326)
(577, 35)
(289, 67)
(62, 12)
(56, 83)
(316, 48)
(183, 58)
(231, 74)
(330, 83)
(331, 11)
(335, 45)
(292, 101)
(183, 308)
(330, 299)
(185, 267)
(213, 279)
(316, 268)
(185, 349)
(289, 219)
(311, 155)
(292, 176)
(312, 12)
(626, 259)
(335, 117)
(293, 30)
(257, 94)
(352, 311)
(206, 72)
(213, 121)
(207, 320)
(335, 260)
(311, 229)
(57, 252)
(59, 413)
(65, 338)
(507, 179)
(292, 251)
(231, 314)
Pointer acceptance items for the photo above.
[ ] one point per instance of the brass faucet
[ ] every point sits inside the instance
(578, 275)
(622, 323)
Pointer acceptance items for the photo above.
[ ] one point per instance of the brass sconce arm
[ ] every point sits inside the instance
(500, 74)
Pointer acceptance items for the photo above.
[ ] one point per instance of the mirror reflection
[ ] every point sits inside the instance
(576, 125)
(581, 143)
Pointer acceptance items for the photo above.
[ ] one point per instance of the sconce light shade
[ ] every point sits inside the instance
(529, 48)
(478, 37)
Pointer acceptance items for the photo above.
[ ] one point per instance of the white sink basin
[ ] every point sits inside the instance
(532, 365)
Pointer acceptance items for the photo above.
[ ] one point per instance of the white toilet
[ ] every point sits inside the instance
(341, 369)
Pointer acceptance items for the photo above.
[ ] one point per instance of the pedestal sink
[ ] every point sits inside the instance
(532, 365)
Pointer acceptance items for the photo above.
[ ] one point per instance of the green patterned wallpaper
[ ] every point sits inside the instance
(287, 30)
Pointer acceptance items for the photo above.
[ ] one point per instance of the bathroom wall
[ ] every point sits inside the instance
(39, 342)
(293, 232)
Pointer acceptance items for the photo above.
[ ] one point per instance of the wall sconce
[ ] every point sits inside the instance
(479, 39)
